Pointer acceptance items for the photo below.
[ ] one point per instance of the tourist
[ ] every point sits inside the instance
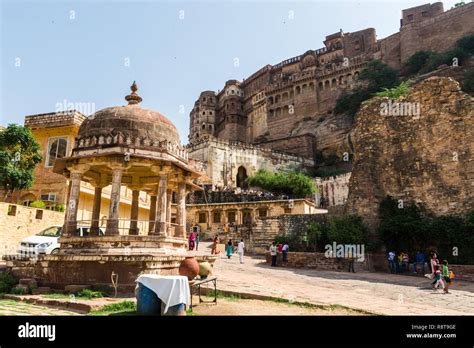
(405, 262)
(351, 259)
(391, 262)
(433, 265)
(192, 240)
(420, 259)
(229, 249)
(446, 276)
(240, 250)
(214, 245)
(197, 241)
(280, 248)
(273, 253)
(399, 262)
(285, 252)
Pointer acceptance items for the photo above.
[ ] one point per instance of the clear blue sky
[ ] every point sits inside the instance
(173, 59)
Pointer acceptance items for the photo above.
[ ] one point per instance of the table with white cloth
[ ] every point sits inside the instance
(171, 290)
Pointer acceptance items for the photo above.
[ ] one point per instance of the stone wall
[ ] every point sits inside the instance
(426, 159)
(334, 189)
(372, 263)
(24, 223)
(261, 235)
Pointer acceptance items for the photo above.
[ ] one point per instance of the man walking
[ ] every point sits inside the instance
(240, 250)
(391, 262)
(273, 253)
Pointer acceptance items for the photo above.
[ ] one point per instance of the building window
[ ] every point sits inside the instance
(12, 210)
(410, 17)
(231, 217)
(57, 148)
(217, 217)
(202, 218)
(50, 197)
(262, 213)
(287, 210)
(39, 214)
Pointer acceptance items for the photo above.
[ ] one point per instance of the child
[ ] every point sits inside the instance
(446, 278)
(437, 273)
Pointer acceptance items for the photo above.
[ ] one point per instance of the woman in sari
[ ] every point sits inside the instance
(192, 240)
(229, 249)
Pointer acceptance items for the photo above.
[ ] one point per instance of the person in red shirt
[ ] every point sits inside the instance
(280, 247)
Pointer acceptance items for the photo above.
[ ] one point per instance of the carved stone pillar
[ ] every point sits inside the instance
(70, 223)
(134, 213)
(152, 217)
(181, 211)
(113, 219)
(161, 224)
(169, 198)
(96, 211)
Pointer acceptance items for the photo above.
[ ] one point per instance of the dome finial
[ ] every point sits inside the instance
(133, 98)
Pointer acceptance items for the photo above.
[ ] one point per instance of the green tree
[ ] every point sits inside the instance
(468, 81)
(315, 233)
(19, 155)
(416, 62)
(376, 76)
(347, 229)
(293, 184)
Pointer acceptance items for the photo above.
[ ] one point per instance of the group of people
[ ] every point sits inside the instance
(440, 273)
(229, 248)
(401, 263)
(279, 249)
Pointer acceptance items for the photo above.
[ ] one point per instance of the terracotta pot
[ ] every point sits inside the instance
(189, 267)
(205, 269)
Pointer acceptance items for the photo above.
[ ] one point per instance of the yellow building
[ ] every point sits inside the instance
(219, 217)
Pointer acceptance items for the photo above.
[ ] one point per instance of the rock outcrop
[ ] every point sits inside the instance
(424, 157)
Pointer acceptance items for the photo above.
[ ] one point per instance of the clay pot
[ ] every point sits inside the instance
(205, 269)
(189, 267)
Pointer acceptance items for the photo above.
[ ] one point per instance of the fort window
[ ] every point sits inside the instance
(217, 217)
(210, 127)
(326, 84)
(424, 14)
(246, 217)
(285, 110)
(262, 213)
(271, 113)
(57, 148)
(278, 112)
(231, 217)
(320, 86)
(410, 17)
(356, 75)
(203, 113)
(349, 78)
(284, 96)
(287, 210)
(203, 126)
(277, 98)
(291, 94)
(202, 218)
(39, 214)
(270, 100)
(311, 86)
(333, 83)
(241, 177)
(303, 89)
(12, 210)
(341, 80)
(298, 89)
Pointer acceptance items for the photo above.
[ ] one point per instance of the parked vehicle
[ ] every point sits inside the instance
(47, 241)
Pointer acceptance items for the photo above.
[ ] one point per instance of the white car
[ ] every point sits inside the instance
(46, 242)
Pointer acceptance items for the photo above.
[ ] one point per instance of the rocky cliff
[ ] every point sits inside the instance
(419, 150)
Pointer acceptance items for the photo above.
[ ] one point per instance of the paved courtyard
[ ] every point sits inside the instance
(11, 307)
(375, 292)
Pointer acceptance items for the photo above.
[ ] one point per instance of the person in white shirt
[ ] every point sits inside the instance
(285, 252)
(273, 253)
(240, 250)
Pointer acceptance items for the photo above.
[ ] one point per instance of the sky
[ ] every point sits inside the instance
(53, 53)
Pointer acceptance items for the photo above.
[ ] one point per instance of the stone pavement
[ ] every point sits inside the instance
(374, 292)
(11, 307)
